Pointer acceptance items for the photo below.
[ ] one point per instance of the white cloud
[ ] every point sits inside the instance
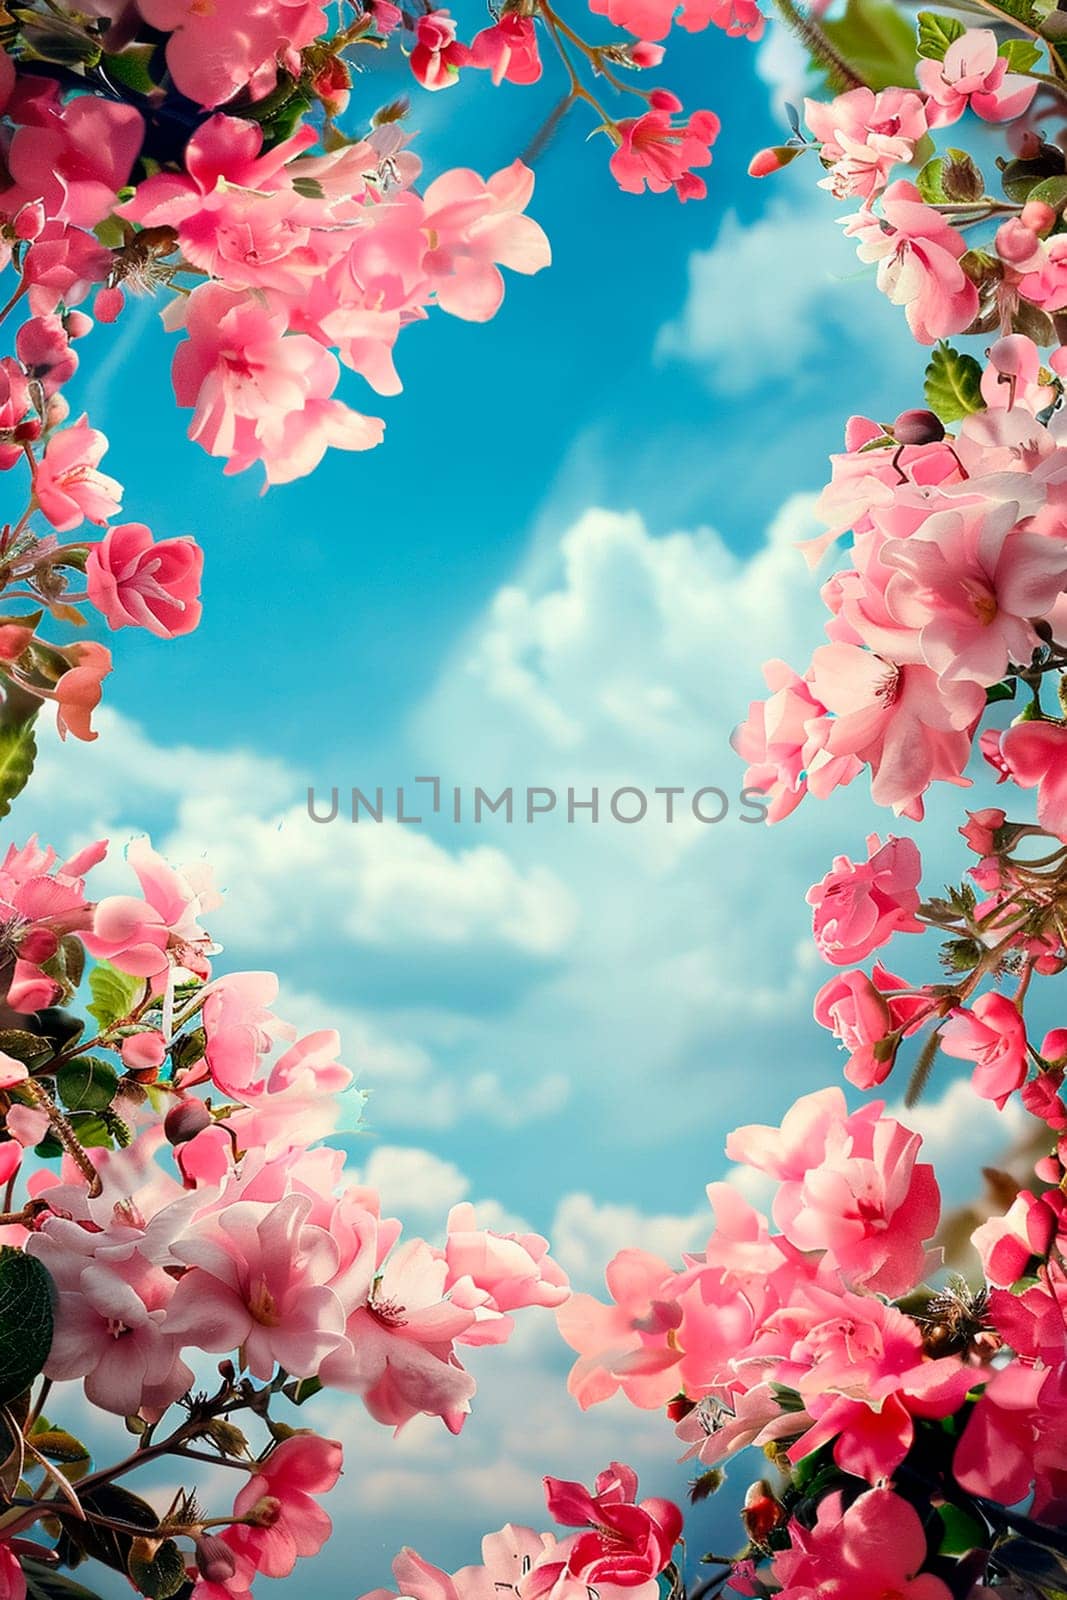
(585, 1235)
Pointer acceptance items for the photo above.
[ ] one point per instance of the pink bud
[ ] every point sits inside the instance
(664, 100)
(77, 324)
(772, 159)
(1016, 243)
(30, 221)
(643, 54)
(58, 411)
(29, 431)
(107, 307)
(918, 427)
(1039, 216)
(185, 1120)
(143, 1050)
(1054, 1046)
(214, 1559)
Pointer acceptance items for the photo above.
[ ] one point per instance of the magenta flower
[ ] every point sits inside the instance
(858, 906)
(872, 1550)
(992, 1034)
(136, 581)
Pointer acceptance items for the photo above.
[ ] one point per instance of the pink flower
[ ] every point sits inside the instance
(1010, 1443)
(849, 1185)
(973, 74)
(78, 691)
(438, 55)
(858, 1014)
(258, 394)
(873, 1550)
(136, 581)
(783, 742)
(397, 1353)
(864, 135)
(981, 828)
(507, 1556)
(1007, 1245)
(473, 224)
(74, 155)
(1034, 754)
(629, 1543)
(859, 906)
(12, 1577)
(497, 1274)
(971, 580)
(624, 1345)
(282, 1488)
(216, 50)
(258, 1282)
(46, 352)
(918, 255)
(910, 729)
(67, 485)
(508, 49)
(62, 266)
(656, 153)
(992, 1035)
(139, 936)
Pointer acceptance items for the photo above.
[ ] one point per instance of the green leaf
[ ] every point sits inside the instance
(876, 40)
(130, 68)
(953, 384)
(301, 1389)
(1018, 177)
(59, 1445)
(1021, 10)
(929, 182)
(87, 1083)
(1053, 191)
(18, 746)
(26, 1297)
(114, 993)
(29, 1048)
(936, 34)
(961, 1531)
(162, 1574)
(1000, 691)
(42, 1583)
(188, 1049)
(309, 188)
(1020, 54)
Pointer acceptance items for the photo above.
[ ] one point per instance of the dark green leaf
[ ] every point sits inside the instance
(26, 1298)
(1019, 176)
(961, 1531)
(928, 181)
(18, 747)
(1035, 1563)
(109, 1545)
(160, 1576)
(59, 1445)
(26, 1047)
(130, 68)
(188, 1049)
(114, 993)
(44, 1584)
(953, 384)
(936, 34)
(301, 1389)
(87, 1083)
(1000, 691)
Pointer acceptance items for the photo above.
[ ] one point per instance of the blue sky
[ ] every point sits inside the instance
(563, 567)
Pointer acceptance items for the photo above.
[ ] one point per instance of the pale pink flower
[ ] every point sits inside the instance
(137, 581)
(918, 255)
(474, 227)
(497, 1274)
(74, 155)
(909, 728)
(67, 485)
(873, 1550)
(858, 1014)
(973, 74)
(781, 743)
(1034, 755)
(864, 136)
(992, 1034)
(859, 906)
(139, 936)
(508, 49)
(507, 1556)
(624, 1345)
(216, 50)
(258, 1283)
(1011, 377)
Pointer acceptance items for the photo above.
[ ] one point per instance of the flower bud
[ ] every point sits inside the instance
(29, 222)
(28, 432)
(1039, 216)
(144, 1051)
(77, 324)
(214, 1559)
(773, 159)
(918, 427)
(664, 100)
(1054, 1047)
(762, 1513)
(644, 54)
(679, 1407)
(108, 305)
(1016, 243)
(38, 944)
(185, 1120)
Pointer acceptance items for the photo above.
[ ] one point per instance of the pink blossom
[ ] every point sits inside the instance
(1007, 1245)
(1034, 755)
(438, 55)
(783, 741)
(849, 1185)
(497, 1274)
(138, 936)
(872, 1550)
(137, 581)
(12, 1577)
(657, 153)
(283, 1488)
(918, 255)
(216, 50)
(507, 1556)
(62, 266)
(74, 155)
(910, 729)
(859, 906)
(627, 1545)
(858, 1014)
(397, 1352)
(864, 135)
(624, 1345)
(67, 485)
(78, 691)
(973, 74)
(992, 1034)
(1010, 1444)
(474, 224)
(508, 49)
(46, 353)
